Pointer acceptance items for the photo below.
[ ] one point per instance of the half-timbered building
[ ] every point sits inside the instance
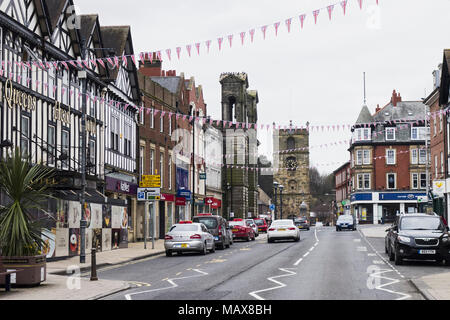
(41, 104)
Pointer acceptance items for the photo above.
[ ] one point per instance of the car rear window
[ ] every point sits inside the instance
(183, 227)
(237, 223)
(210, 223)
(283, 223)
(345, 218)
(259, 222)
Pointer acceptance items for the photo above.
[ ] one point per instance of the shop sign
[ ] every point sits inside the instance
(180, 201)
(361, 197)
(16, 97)
(439, 187)
(401, 196)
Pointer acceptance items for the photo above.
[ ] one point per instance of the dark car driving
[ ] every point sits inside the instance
(419, 237)
(302, 223)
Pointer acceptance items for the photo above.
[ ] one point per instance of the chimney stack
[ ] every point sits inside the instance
(378, 109)
(396, 98)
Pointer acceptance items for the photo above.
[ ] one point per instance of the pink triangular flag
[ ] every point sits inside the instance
(360, 4)
(178, 52)
(344, 5)
(288, 24)
(263, 29)
(168, 51)
(302, 19)
(316, 13)
(242, 37)
(330, 10)
(197, 45)
(219, 41)
(276, 25)
(188, 48)
(208, 44)
(252, 33)
(230, 40)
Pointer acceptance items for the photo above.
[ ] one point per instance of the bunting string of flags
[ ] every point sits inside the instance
(114, 61)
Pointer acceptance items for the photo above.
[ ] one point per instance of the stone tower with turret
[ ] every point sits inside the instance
(239, 117)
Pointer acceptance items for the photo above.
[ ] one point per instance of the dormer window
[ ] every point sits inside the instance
(363, 134)
(390, 134)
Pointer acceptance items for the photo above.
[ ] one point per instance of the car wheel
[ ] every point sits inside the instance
(391, 254)
(168, 253)
(337, 229)
(397, 259)
(222, 246)
(386, 249)
(204, 251)
(269, 240)
(228, 245)
(248, 238)
(213, 249)
(439, 261)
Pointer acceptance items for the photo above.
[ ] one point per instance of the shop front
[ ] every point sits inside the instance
(213, 205)
(166, 213)
(119, 189)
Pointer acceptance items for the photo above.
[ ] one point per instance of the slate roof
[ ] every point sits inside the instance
(87, 23)
(55, 8)
(170, 83)
(364, 116)
(405, 110)
(115, 37)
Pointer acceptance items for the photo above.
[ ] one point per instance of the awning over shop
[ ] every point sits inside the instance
(91, 196)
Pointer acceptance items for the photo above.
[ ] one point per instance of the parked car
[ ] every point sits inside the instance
(241, 230)
(283, 229)
(302, 223)
(251, 223)
(262, 225)
(418, 236)
(188, 236)
(230, 234)
(217, 226)
(347, 222)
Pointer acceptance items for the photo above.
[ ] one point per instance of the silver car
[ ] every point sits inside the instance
(188, 236)
(252, 224)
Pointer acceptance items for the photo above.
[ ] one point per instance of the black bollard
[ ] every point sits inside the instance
(93, 265)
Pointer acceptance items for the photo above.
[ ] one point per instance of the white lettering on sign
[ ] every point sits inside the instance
(125, 187)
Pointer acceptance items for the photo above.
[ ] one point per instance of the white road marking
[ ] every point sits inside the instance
(362, 249)
(306, 254)
(289, 273)
(393, 281)
(371, 254)
(171, 281)
(406, 296)
(377, 262)
(298, 262)
(357, 240)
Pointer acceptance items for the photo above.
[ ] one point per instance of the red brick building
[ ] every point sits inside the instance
(343, 180)
(388, 160)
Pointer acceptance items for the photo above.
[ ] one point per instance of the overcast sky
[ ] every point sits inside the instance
(314, 74)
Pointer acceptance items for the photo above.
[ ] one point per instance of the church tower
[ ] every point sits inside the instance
(240, 176)
(291, 170)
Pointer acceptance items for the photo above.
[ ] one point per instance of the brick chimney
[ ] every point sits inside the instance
(396, 98)
(151, 69)
(378, 109)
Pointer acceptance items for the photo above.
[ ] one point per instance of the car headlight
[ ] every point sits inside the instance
(445, 238)
(404, 239)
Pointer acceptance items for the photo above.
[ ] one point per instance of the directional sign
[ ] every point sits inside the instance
(150, 181)
(149, 194)
(272, 207)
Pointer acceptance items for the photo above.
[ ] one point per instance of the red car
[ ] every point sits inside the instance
(262, 225)
(241, 230)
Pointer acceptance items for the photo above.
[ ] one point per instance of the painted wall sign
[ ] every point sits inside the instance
(16, 97)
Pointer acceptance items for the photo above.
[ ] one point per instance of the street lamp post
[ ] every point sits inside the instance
(275, 186)
(281, 201)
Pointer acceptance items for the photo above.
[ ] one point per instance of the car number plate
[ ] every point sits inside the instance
(281, 229)
(235, 230)
(182, 245)
(427, 251)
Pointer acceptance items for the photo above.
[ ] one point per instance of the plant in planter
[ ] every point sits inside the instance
(21, 240)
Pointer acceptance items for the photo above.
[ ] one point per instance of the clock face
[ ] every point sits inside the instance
(291, 164)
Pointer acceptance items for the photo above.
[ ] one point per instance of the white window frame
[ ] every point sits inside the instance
(387, 181)
(415, 178)
(161, 167)
(141, 161)
(442, 163)
(359, 157)
(394, 156)
(161, 123)
(414, 156)
(436, 166)
(366, 160)
(423, 155)
(388, 131)
(361, 181)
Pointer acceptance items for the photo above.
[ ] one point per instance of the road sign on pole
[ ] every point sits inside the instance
(150, 181)
(149, 194)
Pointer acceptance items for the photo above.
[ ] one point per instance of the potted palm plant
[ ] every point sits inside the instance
(21, 240)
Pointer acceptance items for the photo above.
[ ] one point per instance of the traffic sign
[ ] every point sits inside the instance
(202, 176)
(150, 181)
(272, 207)
(149, 194)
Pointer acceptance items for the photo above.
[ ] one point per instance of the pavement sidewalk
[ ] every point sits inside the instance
(62, 285)
(378, 231)
(434, 287)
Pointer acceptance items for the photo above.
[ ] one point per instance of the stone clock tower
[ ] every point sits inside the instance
(291, 163)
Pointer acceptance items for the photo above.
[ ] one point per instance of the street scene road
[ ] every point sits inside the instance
(324, 265)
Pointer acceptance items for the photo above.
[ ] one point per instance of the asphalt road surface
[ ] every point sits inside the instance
(324, 265)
